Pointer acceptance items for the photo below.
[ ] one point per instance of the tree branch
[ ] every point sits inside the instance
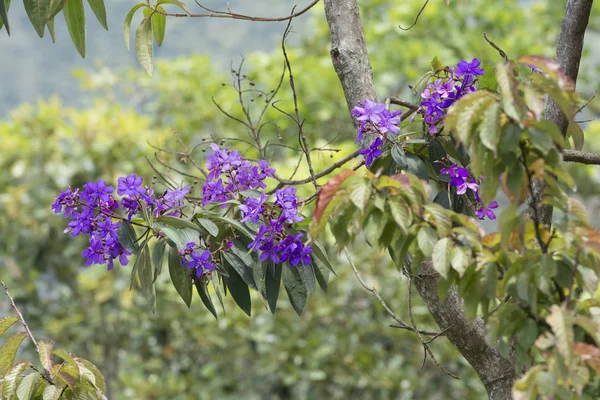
(231, 15)
(568, 54)
(581, 157)
(349, 51)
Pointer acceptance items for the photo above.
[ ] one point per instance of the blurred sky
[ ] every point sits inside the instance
(31, 67)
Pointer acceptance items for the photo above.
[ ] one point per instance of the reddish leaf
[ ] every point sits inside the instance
(589, 353)
(328, 191)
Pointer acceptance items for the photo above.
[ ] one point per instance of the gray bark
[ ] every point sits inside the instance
(349, 51)
(568, 54)
(468, 336)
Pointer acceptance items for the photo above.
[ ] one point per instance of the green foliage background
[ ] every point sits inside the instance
(341, 347)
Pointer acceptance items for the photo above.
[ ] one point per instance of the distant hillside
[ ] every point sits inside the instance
(31, 67)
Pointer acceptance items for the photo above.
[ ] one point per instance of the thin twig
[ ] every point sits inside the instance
(401, 102)
(300, 123)
(584, 105)
(231, 15)
(495, 46)
(14, 306)
(417, 17)
(426, 348)
(374, 292)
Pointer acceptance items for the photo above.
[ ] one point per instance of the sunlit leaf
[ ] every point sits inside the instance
(144, 48)
(8, 351)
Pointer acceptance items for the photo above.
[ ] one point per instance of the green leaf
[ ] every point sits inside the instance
(180, 237)
(4, 6)
(561, 322)
(178, 223)
(127, 237)
(180, 276)
(241, 251)
(158, 254)
(159, 23)
(321, 254)
(307, 275)
(127, 23)
(416, 166)
(217, 286)
(398, 155)
(527, 334)
(210, 226)
(436, 152)
(321, 272)
(436, 65)
(426, 239)
(99, 10)
(75, 19)
(202, 289)
(37, 11)
(273, 283)
(68, 357)
(145, 274)
(401, 213)
(55, 7)
(507, 85)
(460, 260)
(237, 287)
(244, 270)
(489, 132)
(295, 288)
(576, 133)
(9, 386)
(51, 392)
(8, 351)
(46, 355)
(28, 385)
(144, 48)
(360, 195)
(6, 323)
(99, 381)
(440, 257)
(443, 224)
(50, 24)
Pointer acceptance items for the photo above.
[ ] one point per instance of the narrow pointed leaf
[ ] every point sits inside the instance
(4, 6)
(146, 276)
(295, 288)
(127, 237)
(202, 289)
(273, 283)
(37, 11)
(159, 24)
(50, 24)
(244, 270)
(237, 287)
(99, 10)
(55, 7)
(158, 254)
(75, 18)
(180, 276)
(127, 23)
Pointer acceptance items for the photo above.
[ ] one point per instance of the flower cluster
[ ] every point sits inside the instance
(239, 174)
(462, 179)
(441, 94)
(375, 118)
(230, 178)
(93, 212)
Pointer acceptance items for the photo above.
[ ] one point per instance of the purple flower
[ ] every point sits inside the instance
(287, 200)
(213, 192)
(469, 68)
(534, 68)
(95, 253)
(487, 211)
(69, 199)
(376, 115)
(372, 152)
(200, 262)
(253, 208)
(129, 186)
(96, 192)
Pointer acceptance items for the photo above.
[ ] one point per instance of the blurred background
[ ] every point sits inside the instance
(66, 120)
